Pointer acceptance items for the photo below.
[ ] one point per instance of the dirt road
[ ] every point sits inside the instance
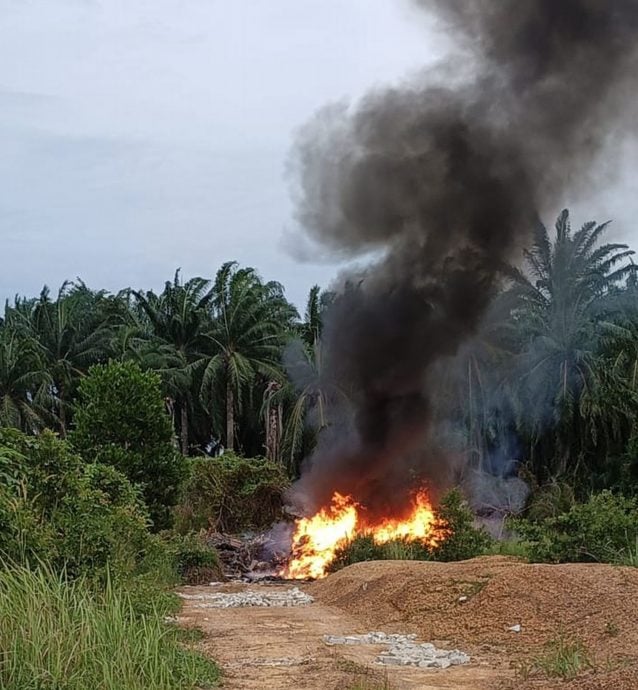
(283, 649)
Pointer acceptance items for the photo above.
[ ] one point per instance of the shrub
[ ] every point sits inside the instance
(464, 539)
(77, 516)
(230, 494)
(194, 561)
(121, 421)
(55, 633)
(605, 528)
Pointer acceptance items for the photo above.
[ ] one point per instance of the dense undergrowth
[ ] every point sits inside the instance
(85, 577)
(603, 529)
(230, 493)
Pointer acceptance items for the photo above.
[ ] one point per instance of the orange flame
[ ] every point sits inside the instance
(317, 539)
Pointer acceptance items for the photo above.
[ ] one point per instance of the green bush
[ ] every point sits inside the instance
(230, 493)
(121, 421)
(194, 561)
(463, 540)
(58, 509)
(57, 634)
(604, 529)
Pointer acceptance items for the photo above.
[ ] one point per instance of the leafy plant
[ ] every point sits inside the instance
(464, 540)
(230, 493)
(604, 528)
(194, 561)
(77, 516)
(121, 421)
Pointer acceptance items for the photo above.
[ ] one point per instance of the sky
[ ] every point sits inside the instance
(140, 137)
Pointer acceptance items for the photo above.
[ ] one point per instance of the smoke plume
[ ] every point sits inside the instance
(443, 178)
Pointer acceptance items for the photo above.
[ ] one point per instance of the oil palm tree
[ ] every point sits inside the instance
(24, 384)
(251, 321)
(561, 305)
(68, 335)
(177, 323)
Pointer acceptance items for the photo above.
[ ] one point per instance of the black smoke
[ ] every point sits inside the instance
(444, 178)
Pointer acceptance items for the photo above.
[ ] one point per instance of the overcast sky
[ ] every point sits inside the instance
(138, 136)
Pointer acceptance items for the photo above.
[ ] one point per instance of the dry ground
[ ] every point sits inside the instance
(282, 648)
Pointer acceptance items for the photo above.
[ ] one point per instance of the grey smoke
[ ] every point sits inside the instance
(445, 177)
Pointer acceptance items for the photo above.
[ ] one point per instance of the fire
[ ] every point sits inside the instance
(316, 539)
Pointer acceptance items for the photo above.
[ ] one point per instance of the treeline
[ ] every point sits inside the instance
(547, 389)
(216, 345)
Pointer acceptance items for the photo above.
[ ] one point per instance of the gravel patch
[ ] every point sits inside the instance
(404, 650)
(219, 600)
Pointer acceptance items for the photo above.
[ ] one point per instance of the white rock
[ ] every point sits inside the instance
(403, 650)
(515, 628)
(292, 597)
(441, 663)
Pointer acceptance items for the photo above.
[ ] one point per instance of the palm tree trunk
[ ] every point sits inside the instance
(184, 427)
(230, 417)
(62, 411)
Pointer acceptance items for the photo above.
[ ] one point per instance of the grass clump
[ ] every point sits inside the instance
(562, 657)
(57, 634)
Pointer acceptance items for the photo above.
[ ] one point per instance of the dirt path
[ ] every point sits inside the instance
(283, 649)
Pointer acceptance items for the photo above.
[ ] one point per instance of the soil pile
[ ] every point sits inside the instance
(474, 604)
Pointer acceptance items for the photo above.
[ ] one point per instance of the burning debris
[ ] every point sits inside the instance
(317, 539)
(442, 178)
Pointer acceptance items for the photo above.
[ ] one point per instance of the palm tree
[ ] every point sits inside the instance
(307, 395)
(24, 384)
(69, 334)
(561, 306)
(178, 322)
(316, 304)
(251, 320)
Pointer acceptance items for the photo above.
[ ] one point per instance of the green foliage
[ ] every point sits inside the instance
(251, 322)
(551, 500)
(230, 493)
(57, 508)
(604, 529)
(508, 547)
(121, 421)
(58, 634)
(463, 540)
(194, 561)
(65, 336)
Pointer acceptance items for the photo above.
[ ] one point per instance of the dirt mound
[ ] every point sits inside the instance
(473, 604)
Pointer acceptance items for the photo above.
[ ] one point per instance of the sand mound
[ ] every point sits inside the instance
(473, 604)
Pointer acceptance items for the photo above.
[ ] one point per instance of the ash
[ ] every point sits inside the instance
(403, 650)
(288, 597)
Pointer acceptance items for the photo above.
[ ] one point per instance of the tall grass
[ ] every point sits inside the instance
(62, 635)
